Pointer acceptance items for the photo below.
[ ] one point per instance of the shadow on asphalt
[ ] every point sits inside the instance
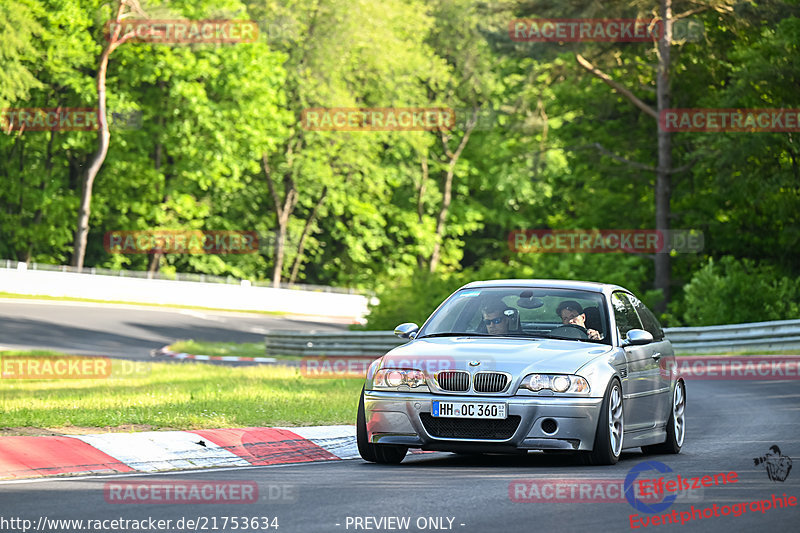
(531, 460)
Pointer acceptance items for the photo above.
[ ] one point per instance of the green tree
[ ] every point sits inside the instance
(18, 29)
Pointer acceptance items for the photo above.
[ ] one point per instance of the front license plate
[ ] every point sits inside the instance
(468, 410)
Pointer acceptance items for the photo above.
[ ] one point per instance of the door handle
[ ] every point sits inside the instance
(656, 356)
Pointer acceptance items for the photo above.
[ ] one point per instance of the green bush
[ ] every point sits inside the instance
(414, 299)
(410, 300)
(733, 291)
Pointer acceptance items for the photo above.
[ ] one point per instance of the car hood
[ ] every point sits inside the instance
(512, 355)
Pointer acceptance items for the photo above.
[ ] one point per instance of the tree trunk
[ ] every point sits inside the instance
(423, 184)
(664, 170)
(280, 243)
(104, 139)
(440, 220)
(448, 187)
(663, 192)
(306, 230)
(158, 152)
(283, 210)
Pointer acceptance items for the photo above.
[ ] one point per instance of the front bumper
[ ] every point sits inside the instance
(395, 418)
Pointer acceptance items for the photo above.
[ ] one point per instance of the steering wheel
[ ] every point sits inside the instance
(571, 331)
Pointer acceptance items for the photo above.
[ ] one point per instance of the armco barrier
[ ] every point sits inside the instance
(345, 344)
(779, 335)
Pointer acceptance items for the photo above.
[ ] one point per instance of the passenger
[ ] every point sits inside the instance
(571, 312)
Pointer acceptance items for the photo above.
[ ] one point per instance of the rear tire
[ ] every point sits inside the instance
(676, 426)
(610, 428)
(375, 453)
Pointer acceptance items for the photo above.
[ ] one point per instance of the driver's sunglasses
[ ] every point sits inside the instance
(495, 321)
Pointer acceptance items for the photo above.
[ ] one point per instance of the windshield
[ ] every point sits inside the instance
(531, 312)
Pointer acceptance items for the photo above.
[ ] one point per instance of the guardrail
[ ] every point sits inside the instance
(345, 344)
(779, 335)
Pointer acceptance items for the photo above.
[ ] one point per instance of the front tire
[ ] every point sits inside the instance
(610, 429)
(676, 426)
(375, 453)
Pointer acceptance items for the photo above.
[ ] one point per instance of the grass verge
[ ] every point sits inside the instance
(177, 396)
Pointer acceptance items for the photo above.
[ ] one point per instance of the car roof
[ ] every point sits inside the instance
(592, 286)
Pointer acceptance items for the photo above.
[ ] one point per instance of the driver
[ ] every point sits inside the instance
(571, 312)
(495, 319)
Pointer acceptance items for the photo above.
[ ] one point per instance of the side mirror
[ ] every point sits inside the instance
(638, 337)
(407, 330)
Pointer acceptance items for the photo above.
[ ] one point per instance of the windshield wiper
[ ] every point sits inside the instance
(475, 334)
(595, 341)
(523, 335)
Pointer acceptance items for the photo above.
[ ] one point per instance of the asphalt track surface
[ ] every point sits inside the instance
(728, 424)
(129, 331)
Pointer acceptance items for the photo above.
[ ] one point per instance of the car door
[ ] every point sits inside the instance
(664, 356)
(639, 388)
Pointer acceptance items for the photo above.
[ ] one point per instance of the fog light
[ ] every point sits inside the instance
(549, 426)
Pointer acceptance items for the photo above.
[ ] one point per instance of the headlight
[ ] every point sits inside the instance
(394, 377)
(555, 383)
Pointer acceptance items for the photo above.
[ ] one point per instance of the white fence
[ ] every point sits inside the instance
(765, 336)
(243, 296)
(178, 276)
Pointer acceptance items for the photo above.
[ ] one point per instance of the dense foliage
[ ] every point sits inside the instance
(219, 146)
(731, 292)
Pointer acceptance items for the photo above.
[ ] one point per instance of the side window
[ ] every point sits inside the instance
(649, 320)
(624, 314)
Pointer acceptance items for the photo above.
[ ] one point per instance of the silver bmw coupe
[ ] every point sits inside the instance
(509, 366)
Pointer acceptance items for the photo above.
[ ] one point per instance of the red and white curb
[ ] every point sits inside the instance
(165, 351)
(159, 451)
